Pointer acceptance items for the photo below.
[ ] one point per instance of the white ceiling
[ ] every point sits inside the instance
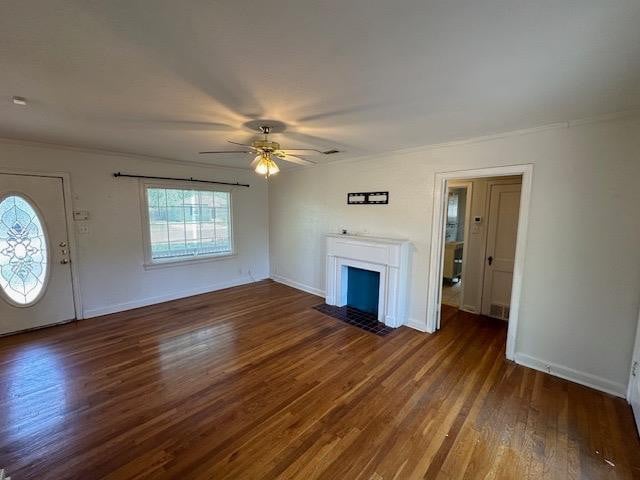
(169, 78)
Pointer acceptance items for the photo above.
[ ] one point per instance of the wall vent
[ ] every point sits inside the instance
(500, 311)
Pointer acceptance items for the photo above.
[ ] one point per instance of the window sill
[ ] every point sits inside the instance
(187, 261)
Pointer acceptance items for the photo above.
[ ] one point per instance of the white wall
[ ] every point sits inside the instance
(581, 285)
(112, 277)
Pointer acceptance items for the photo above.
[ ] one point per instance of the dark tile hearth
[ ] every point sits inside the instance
(357, 318)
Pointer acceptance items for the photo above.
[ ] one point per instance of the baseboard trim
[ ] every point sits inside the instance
(416, 325)
(121, 307)
(297, 285)
(33, 329)
(583, 378)
(470, 309)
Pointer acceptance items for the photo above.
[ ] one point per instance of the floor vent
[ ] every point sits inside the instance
(499, 311)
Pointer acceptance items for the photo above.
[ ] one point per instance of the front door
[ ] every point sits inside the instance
(35, 272)
(502, 230)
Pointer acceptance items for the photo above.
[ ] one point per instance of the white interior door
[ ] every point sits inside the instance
(634, 381)
(35, 273)
(502, 229)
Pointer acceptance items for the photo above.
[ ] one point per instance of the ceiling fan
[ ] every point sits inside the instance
(266, 150)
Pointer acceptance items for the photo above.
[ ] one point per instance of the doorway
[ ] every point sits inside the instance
(485, 256)
(459, 198)
(504, 282)
(36, 283)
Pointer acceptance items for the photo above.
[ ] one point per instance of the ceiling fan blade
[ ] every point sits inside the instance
(310, 151)
(226, 151)
(296, 160)
(243, 145)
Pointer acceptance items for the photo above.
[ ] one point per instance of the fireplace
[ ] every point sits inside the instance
(370, 274)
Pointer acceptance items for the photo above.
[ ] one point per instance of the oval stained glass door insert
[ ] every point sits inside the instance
(23, 251)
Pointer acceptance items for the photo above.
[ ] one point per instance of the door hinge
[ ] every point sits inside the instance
(634, 369)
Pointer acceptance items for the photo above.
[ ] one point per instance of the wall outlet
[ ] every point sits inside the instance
(83, 229)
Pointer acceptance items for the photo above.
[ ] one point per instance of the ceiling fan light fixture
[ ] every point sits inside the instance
(267, 150)
(266, 166)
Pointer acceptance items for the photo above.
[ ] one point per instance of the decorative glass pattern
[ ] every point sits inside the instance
(188, 223)
(23, 251)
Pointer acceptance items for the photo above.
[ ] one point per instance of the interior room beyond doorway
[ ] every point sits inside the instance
(481, 223)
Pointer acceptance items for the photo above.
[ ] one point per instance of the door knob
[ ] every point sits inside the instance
(490, 260)
(63, 244)
(64, 261)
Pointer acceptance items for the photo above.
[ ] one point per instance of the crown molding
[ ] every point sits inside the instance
(116, 153)
(608, 117)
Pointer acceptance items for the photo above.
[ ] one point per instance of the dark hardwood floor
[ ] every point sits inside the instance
(251, 382)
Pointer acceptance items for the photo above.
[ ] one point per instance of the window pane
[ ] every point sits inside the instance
(175, 198)
(23, 251)
(157, 197)
(221, 199)
(188, 223)
(207, 230)
(159, 232)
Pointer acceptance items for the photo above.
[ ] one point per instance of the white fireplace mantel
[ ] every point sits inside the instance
(387, 256)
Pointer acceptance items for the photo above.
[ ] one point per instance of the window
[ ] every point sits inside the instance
(23, 251)
(187, 224)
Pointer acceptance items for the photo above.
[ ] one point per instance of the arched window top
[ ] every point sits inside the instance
(24, 260)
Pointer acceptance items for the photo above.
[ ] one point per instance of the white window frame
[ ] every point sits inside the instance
(149, 262)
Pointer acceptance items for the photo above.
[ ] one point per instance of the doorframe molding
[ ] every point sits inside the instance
(434, 288)
(635, 354)
(71, 232)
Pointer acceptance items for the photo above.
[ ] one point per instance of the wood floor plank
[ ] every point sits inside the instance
(252, 382)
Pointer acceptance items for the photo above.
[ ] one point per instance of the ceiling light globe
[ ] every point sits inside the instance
(273, 167)
(262, 167)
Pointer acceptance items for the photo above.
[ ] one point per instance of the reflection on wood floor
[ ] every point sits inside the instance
(252, 382)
